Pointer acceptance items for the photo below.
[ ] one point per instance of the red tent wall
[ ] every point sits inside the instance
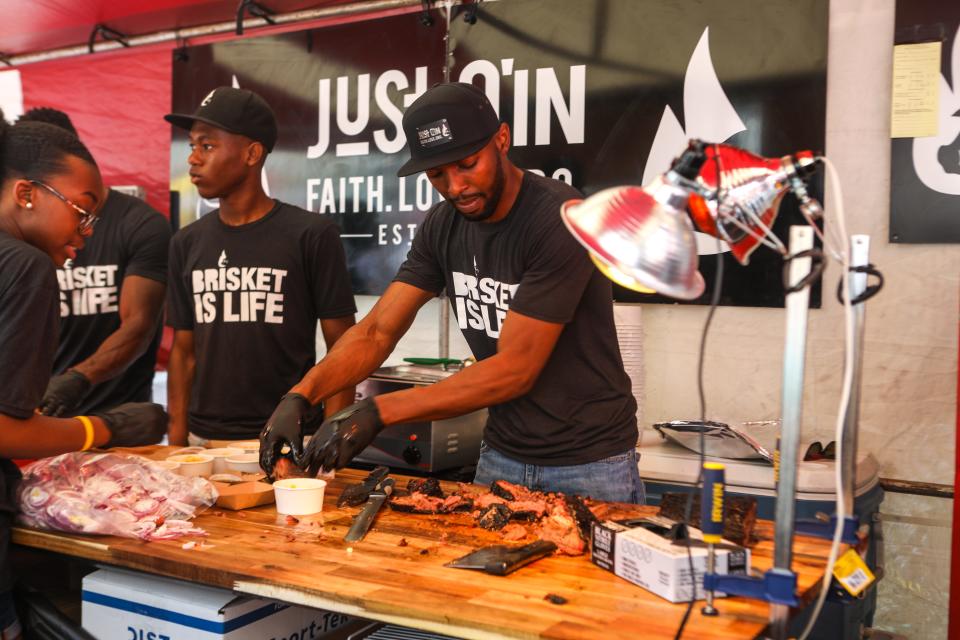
(117, 102)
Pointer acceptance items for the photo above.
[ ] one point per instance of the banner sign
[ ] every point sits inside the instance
(597, 93)
(925, 165)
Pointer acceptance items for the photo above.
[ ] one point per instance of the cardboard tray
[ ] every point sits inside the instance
(244, 495)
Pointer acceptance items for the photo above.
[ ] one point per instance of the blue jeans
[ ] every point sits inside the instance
(613, 479)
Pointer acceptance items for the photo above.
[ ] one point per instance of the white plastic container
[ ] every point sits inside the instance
(220, 457)
(193, 464)
(248, 446)
(169, 465)
(299, 496)
(186, 450)
(244, 463)
(124, 604)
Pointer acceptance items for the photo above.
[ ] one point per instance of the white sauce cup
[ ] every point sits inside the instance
(193, 464)
(299, 496)
(220, 457)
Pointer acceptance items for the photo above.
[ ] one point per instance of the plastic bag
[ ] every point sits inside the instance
(111, 494)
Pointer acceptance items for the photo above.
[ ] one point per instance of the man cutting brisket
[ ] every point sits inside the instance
(536, 313)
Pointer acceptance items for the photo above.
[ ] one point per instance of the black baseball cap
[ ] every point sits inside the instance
(447, 123)
(234, 110)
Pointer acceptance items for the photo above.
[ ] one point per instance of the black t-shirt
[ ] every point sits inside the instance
(581, 408)
(131, 239)
(28, 337)
(252, 296)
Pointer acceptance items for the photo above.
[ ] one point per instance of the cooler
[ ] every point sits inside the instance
(667, 467)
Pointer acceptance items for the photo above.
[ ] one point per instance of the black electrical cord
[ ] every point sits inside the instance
(714, 302)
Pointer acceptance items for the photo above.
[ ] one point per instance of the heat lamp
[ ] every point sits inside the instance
(644, 238)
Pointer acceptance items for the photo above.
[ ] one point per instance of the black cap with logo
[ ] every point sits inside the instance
(234, 110)
(447, 123)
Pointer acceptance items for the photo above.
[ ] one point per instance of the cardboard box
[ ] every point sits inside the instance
(125, 605)
(655, 563)
(243, 495)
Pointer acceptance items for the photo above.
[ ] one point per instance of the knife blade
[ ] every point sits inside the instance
(363, 520)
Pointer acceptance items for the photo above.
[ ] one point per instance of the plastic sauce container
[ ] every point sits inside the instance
(299, 496)
(193, 464)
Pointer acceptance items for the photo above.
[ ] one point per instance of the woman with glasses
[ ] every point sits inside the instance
(50, 191)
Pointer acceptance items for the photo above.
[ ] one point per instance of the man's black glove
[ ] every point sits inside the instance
(64, 393)
(353, 429)
(134, 424)
(283, 428)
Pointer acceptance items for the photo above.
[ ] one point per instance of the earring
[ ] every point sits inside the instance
(29, 205)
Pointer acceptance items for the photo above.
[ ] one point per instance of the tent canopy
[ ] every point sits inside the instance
(30, 26)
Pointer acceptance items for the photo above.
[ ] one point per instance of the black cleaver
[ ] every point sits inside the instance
(357, 494)
(499, 560)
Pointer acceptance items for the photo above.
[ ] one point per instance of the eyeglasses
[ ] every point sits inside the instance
(87, 219)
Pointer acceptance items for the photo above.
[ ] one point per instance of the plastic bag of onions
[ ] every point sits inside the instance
(111, 494)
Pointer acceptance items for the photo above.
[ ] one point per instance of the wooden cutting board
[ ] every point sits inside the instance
(396, 573)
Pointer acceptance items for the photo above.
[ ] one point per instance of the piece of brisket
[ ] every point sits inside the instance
(416, 503)
(564, 520)
(582, 515)
(513, 532)
(495, 517)
(560, 527)
(428, 486)
(739, 517)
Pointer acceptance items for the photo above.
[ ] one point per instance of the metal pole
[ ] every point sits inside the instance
(859, 257)
(444, 347)
(794, 354)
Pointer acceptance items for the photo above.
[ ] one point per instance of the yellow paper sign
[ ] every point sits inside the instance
(916, 90)
(852, 572)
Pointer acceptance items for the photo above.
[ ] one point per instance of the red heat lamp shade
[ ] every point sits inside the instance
(753, 188)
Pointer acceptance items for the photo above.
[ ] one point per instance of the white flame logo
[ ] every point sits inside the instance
(936, 159)
(709, 115)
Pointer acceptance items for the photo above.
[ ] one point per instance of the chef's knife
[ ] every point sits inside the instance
(363, 520)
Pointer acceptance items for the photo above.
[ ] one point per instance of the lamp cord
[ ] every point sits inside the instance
(850, 336)
(714, 302)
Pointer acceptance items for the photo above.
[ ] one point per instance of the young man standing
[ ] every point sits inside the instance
(247, 283)
(535, 311)
(111, 298)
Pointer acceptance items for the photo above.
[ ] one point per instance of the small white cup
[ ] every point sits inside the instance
(244, 463)
(299, 496)
(220, 457)
(248, 446)
(193, 464)
(169, 465)
(185, 450)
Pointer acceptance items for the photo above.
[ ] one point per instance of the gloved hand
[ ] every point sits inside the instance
(354, 429)
(134, 424)
(64, 393)
(283, 428)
